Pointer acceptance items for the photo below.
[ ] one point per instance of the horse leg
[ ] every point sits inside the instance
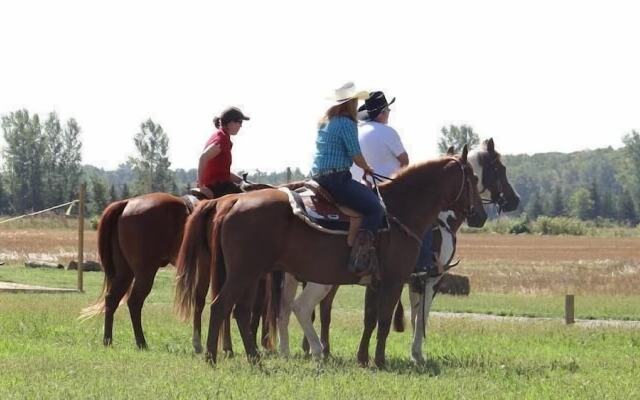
(221, 310)
(286, 302)
(242, 314)
(370, 303)
(227, 345)
(202, 287)
(141, 288)
(415, 299)
(303, 306)
(325, 319)
(421, 302)
(264, 334)
(257, 311)
(119, 286)
(387, 298)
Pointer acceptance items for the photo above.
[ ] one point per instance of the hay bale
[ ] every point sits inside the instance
(457, 285)
(86, 266)
(42, 264)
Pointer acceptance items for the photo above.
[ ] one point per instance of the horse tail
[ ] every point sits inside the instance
(273, 295)
(398, 317)
(194, 243)
(218, 270)
(106, 232)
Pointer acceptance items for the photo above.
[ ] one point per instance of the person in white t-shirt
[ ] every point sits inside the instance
(383, 149)
(380, 142)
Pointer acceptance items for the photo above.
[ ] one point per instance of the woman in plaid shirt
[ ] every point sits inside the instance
(337, 148)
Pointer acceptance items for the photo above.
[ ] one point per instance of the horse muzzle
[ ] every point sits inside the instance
(477, 217)
(509, 204)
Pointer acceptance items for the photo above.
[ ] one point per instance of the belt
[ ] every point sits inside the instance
(330, 171)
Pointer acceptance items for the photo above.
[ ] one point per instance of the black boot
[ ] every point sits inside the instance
(363, 259)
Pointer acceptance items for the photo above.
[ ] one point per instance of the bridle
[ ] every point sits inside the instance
(469, 212)
(500, 199)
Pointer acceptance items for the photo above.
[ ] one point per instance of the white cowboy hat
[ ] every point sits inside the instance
(347, 92)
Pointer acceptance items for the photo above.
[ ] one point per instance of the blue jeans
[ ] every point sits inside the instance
(354, 195)
(425, 258)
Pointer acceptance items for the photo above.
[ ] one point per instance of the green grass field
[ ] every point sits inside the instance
(46, 353)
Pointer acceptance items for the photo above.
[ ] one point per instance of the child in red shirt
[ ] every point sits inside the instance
(214, 168)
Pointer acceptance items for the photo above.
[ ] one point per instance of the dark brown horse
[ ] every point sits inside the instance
(256, 232)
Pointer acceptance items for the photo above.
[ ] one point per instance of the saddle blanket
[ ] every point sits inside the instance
(316, 212)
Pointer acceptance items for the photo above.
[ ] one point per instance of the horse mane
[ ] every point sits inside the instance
(419, 174)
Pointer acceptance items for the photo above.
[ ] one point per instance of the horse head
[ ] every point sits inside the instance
(488, 166)
(468, 202)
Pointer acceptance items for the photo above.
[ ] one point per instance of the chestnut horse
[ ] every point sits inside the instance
(256, 232)
(136, 237)
(494, 188)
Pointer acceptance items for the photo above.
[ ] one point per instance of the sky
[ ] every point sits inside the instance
(537, 76)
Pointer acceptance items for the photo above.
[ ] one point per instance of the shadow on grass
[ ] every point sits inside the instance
(273, 363)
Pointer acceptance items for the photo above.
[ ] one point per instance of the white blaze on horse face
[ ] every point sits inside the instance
(473, 159)
(447, 247)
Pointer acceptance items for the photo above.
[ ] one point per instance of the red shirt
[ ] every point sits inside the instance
(218, 169)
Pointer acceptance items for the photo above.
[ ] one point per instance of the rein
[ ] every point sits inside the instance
(377, 177)
(403, 227)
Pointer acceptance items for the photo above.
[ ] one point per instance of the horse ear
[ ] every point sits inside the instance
(490, 146)
(465, 150)
(450, 151)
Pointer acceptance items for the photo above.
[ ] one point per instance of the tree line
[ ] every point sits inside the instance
(41, 166)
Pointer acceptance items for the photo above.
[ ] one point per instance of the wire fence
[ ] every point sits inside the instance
(68, 212)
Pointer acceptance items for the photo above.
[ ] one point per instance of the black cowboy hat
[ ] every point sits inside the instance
(373, 105)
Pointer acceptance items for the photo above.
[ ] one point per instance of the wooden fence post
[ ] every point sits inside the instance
(83, 188)
(569, 311)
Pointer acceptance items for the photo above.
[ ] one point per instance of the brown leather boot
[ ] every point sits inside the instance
(363, 259)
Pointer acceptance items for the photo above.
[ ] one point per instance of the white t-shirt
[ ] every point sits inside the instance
(381, 146)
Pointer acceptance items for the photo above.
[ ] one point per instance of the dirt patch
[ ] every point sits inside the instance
(20, 288)
(526, 249)
(55, 245)
(584, 323)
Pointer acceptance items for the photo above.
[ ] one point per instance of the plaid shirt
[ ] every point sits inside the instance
(336, 145)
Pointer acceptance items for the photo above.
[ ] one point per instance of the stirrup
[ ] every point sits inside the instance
(363, 259)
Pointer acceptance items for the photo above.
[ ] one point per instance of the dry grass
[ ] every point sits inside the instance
(527, 264)
(57, 244)
(551, 264)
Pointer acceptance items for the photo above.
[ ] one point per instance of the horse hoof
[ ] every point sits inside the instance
(143, 346)
(210, 359)
(229, 353)
(363, 361)
(419, 360)
(381, 363)
(197, 349)
(253, 360)
(107, 342)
